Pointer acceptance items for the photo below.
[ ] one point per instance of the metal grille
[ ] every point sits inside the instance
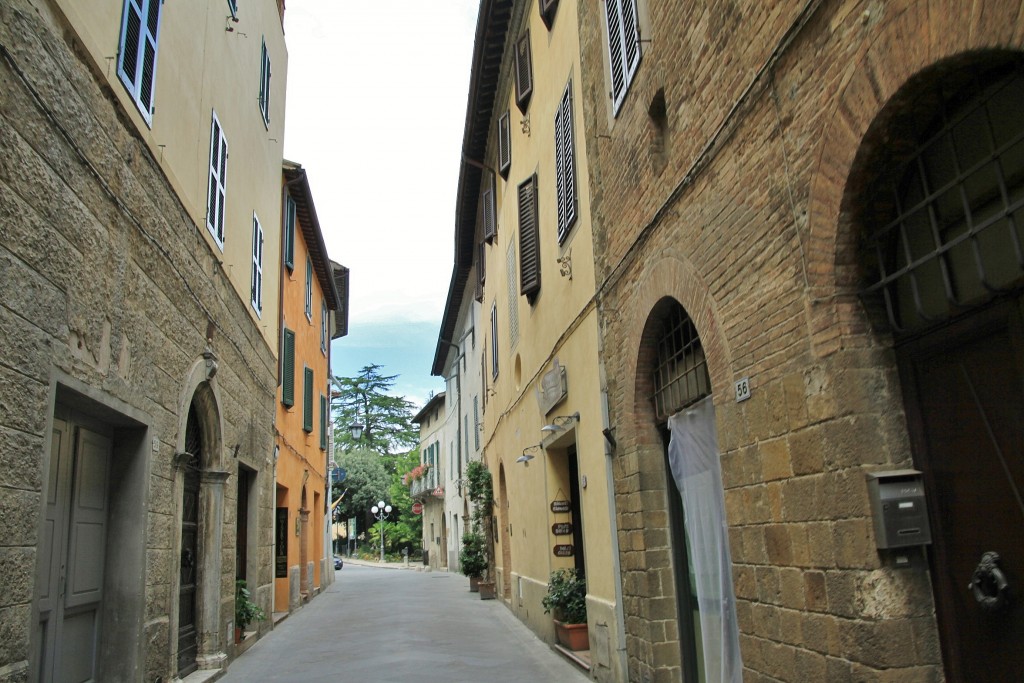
(955, 222)
(681, 374)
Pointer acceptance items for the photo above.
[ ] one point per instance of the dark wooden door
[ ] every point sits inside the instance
(189, 562)
(965, 404)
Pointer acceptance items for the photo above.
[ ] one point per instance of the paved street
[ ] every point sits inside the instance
(380, 625)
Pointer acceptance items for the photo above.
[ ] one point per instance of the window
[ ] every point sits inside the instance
(289, 232)
(323, 422)
(681, 375)
(504, 144)
(565, 166)
(265, 84)
(481, 266)
(307, 400)
(523, 72)
(218, 181)
(547, 11)
(136, 56)
(233, 8)
(529, 240)
(512, 296)
(323, 326)
(623, 46)
(309, 290)
(257, 265)
(288, 368)
(490, 217)
(476, 423)
(494, 341)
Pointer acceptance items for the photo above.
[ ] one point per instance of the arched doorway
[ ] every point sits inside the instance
(504, 535)
(188, 566)
(938, 193)
(678, 390)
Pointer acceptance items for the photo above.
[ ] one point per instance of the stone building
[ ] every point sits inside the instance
(139, 369)
(810, 213)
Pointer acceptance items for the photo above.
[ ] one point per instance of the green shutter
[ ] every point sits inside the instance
(323, 422)
(307, 400)
(288, 369)
(289, 233)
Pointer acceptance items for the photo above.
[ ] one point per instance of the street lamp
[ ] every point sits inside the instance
(380, 512)
(357, 431)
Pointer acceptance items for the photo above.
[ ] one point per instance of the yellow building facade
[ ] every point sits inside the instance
(309, 297)
(525, 252)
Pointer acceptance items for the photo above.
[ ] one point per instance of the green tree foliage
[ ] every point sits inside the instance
(367, 482)
(386, 419)
(408, 528)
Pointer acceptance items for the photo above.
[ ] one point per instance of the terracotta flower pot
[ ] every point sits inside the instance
(474, 584)
(487, 591)
(573, 636)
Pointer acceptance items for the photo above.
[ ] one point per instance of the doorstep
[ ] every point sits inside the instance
(581, 658)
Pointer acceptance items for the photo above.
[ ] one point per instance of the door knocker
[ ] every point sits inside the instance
(989, 584)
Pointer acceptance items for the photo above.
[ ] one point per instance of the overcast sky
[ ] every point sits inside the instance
(375, 113)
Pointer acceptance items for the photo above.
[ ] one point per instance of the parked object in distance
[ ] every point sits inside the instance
(338, 562)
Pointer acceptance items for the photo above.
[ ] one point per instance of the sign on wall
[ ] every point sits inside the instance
(560, 506)
(564, 550)
(561, 528)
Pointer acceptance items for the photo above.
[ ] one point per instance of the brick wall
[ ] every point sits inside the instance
(737, 206)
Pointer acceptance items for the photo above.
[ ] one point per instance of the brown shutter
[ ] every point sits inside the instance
(524, 72)
(489, 213)
(504, 145)
(529, 239)
(547, 11)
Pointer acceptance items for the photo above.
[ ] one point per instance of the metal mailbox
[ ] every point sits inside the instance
(898, 509)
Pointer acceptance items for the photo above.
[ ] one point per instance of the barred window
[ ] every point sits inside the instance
(681, 375)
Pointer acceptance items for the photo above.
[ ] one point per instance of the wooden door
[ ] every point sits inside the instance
(965, 403)
(189, 561)
(73, 550)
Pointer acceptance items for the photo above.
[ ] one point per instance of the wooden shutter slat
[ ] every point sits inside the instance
(288, 369)
(529, 241)
(504, 144)
(523, 72)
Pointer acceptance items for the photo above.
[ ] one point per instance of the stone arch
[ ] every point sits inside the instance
(910, 42)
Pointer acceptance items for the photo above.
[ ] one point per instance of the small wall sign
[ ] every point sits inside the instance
(564, 550)
(742, 389)
(560, 506)
(561, 528)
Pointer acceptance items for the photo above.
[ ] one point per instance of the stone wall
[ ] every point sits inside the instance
(107, 281)
(721, 183)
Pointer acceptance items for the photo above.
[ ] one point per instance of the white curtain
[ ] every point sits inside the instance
(693, 458)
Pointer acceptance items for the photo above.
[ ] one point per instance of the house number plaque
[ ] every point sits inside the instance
(560, 506)
(561, 528)
(564, 550)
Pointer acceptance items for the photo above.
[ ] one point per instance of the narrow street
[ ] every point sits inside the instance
(381, 625)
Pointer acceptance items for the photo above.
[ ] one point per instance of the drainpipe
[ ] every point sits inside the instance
(619, 661)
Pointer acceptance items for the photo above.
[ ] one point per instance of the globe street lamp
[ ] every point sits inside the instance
(380, 512)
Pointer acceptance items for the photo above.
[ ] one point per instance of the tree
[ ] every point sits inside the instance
(386, 419)
(408, 528)
(367, 482)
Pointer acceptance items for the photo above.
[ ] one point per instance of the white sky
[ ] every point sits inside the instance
(375, 113)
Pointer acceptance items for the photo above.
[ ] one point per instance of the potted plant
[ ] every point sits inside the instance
(480, 491)
(246, 611)
(567, 600)
(473, 558)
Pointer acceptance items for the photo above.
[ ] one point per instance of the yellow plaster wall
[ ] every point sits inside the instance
(200, 55)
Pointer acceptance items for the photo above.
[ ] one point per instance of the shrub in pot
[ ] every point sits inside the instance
(567, 600)
(473, 556)
(246, 611)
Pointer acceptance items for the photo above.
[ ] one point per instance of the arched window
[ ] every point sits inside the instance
(946, 215)
(681, 372)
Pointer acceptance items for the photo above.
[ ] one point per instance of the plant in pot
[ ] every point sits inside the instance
(246, 611)
(473, 558)
(480, 491)
(567, 600)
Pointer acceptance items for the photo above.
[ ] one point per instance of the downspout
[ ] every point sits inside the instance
(619, 660)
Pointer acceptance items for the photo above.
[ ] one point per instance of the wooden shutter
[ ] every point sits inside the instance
(323, 422)
(623, 46)
(481, 269)
(547, 11)
(565, 165)
(504, 145)
(307, 400)
(490, 217)
(265, 84)
(524, 72)
(289, 233)
(136, 65)
(256, 284)
(288, 369)
(529, 240)
(494, 341)
(218, 181)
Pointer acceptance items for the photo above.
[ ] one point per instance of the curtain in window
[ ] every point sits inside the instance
(693, 458)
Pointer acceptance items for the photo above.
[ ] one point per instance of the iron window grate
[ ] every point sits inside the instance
(681, 374)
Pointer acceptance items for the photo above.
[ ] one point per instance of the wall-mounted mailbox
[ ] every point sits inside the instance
(898, 509)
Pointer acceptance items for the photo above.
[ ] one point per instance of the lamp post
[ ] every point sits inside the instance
(380, 512)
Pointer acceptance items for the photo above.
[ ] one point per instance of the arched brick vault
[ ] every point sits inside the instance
(670, 275)
(913, 36)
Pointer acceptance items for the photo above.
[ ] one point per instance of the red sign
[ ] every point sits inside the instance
(417, 508)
